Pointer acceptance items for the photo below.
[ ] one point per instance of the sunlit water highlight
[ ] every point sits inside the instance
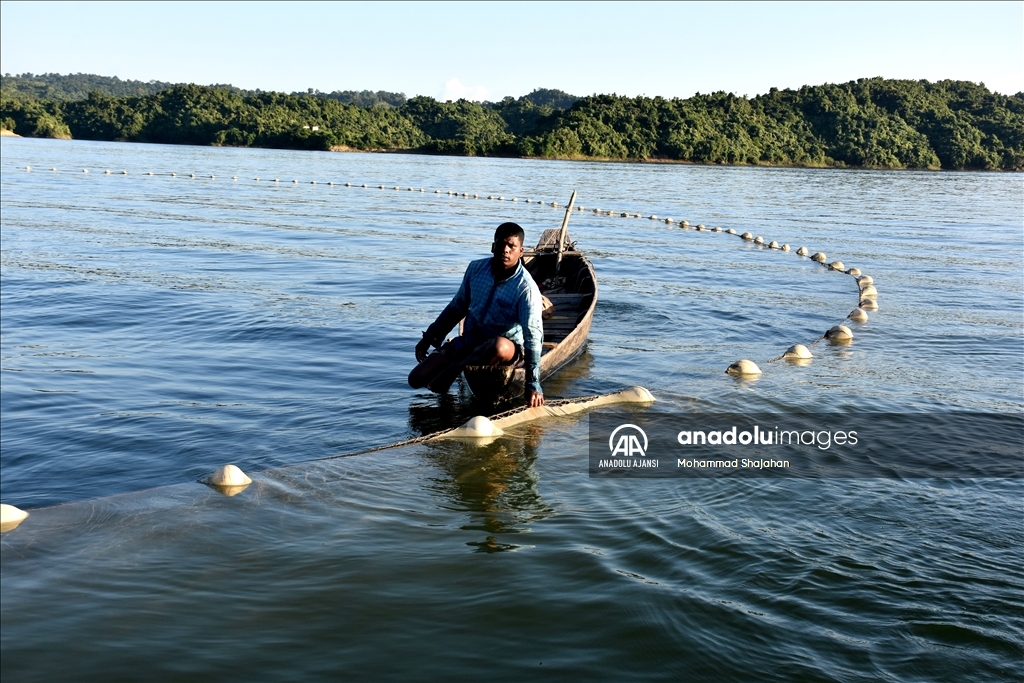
(154, 328)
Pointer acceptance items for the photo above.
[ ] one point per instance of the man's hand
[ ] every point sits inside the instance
(422, 349)
(536, 399)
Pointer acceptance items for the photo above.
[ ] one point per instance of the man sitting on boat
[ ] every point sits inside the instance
(502, 307)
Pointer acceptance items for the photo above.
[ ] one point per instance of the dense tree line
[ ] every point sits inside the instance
(196, 115)
(72, 87)
(875, 123)
(76, 86)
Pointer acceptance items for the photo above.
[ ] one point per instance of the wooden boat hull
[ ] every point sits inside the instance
(574, 295)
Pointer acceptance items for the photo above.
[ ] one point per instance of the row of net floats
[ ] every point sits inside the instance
(797, 353)
(800, 354)
(329, 183)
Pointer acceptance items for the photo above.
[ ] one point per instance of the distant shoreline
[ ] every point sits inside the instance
(601, 160)
(679, 162)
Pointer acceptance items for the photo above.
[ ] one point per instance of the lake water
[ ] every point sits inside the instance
(157, 327)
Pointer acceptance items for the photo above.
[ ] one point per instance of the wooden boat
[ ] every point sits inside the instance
(567, 279)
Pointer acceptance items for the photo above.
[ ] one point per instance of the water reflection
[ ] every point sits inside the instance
(565, 383)
(429, 414)
(496, 483)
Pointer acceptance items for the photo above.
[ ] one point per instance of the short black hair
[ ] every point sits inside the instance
(509, 230)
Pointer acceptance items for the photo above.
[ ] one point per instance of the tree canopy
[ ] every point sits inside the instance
(870, 123)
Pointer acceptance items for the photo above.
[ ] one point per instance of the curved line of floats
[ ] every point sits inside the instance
(230, 480)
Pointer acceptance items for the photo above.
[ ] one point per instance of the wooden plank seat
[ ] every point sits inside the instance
(563, 300)
(566, 306)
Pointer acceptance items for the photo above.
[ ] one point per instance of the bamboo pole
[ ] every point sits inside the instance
(564, 231)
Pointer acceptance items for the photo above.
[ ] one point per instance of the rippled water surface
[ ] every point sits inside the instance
(156, 327)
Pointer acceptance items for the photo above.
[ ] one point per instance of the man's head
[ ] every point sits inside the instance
(508, 244)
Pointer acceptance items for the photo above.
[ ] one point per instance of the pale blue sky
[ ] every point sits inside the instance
(489, 50)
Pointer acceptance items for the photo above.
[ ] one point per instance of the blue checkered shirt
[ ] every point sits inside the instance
(510, 308)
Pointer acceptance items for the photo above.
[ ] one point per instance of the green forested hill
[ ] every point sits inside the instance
(874, 123)
(74, 86)
(870, 123)
(78, 87)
